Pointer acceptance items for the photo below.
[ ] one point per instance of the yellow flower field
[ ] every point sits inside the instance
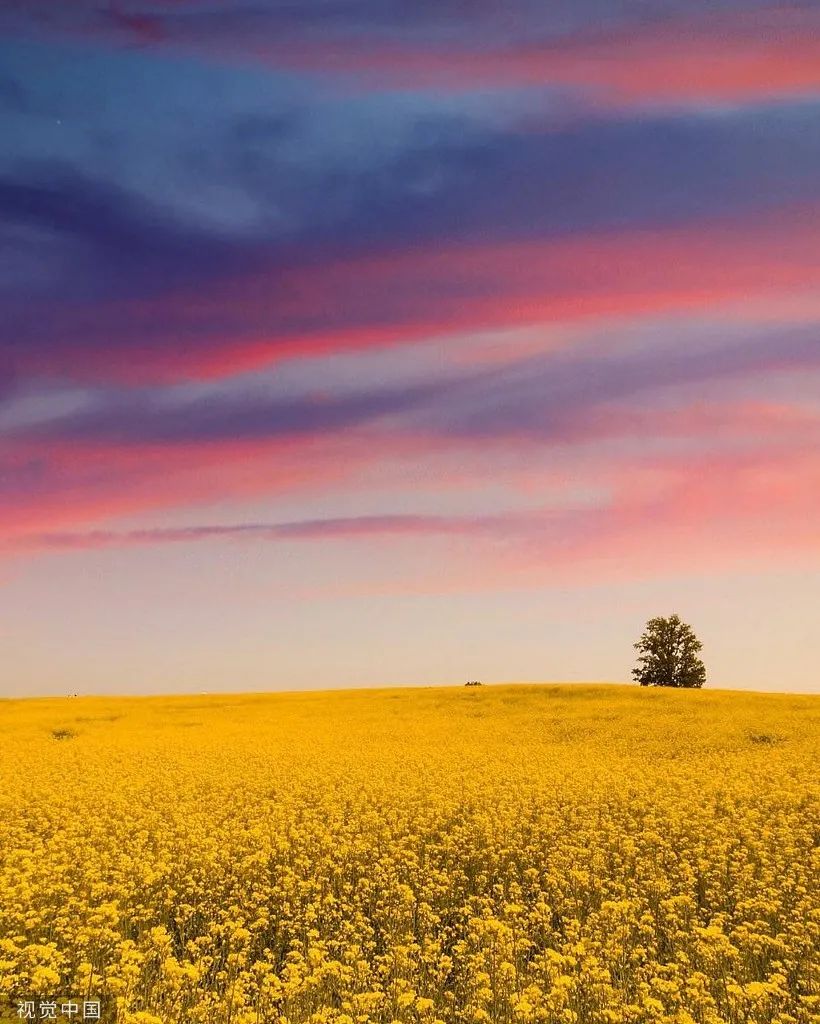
(582, 855)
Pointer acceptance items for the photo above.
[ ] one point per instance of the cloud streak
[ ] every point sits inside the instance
(344, 193)
(312, 529)
(540, 396)
(292, 220)
(665, 50)
(678, 516)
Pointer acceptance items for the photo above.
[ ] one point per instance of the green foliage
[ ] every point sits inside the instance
(668, 655)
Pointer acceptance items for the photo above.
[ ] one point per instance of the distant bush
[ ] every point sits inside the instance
(473, 682)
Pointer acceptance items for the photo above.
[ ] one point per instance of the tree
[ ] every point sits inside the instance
(668, 655)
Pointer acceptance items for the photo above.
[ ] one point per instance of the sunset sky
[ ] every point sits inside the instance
(358, 342)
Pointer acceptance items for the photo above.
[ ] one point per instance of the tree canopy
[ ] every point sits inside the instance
(668, 655)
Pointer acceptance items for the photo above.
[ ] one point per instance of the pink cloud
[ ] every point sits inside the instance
(702, 517)
(78, 486)
(722, 56)
(665, 513)
(745, 56)
(401, 297)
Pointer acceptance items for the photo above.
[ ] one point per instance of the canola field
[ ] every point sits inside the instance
(562, 854)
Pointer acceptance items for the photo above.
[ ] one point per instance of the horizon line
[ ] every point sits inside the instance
(382, 687)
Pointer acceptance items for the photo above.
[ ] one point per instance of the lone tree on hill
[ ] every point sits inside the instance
(668, 655)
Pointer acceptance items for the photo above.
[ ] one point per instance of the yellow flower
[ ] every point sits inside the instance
(610, 855)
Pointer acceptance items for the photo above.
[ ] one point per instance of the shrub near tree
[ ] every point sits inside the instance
(668, 655)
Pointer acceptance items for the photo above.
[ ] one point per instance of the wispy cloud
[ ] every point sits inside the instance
(163, 236)
(398, 297)
(728, 49)
(544, 396)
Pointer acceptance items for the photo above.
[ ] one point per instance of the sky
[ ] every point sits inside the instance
(378, 342)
